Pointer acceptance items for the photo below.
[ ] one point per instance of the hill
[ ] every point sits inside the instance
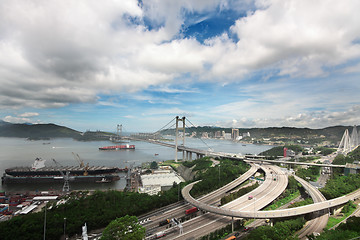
(277, 135)
(36, 131)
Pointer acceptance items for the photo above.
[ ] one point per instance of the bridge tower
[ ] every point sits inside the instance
(349, 142)
(177, 135)
(344, 145)
(354, 140)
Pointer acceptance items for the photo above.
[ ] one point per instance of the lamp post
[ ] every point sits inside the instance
(45, 222)
(219, 173)
(65, 228)
(254, 207)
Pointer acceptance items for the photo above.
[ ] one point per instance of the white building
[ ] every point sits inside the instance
(228, 136)
(154, 183)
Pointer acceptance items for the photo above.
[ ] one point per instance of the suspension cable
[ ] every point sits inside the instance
(165, 126)
(200, 137)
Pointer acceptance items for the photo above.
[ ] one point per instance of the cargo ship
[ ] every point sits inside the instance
(118, 147)
(38, 172)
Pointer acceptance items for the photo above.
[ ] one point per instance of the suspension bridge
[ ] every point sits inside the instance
(177, 124)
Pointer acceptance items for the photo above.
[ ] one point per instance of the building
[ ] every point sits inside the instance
(289, 153)
(217, 134)
(227, 136)
(351, 168)
(204, 135)
(247, 134)
(162, 180)
(234, 133)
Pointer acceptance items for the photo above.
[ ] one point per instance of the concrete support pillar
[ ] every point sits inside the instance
(184, 158)
(190, 156)
(232, 224)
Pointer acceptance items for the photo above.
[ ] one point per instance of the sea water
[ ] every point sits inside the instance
(21, 152)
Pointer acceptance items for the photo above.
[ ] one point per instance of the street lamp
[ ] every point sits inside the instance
(219, 173)
(254, 207)
(64, 228)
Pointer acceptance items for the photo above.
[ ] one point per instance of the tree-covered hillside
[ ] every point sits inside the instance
(35, 131)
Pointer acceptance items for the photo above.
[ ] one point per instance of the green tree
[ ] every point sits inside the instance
(126, 228)
(153, 165)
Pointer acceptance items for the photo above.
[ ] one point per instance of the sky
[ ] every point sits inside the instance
(90, 65)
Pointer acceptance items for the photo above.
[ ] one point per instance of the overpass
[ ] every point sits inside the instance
(273, 213)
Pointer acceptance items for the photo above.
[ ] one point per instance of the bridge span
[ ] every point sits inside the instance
(187, 154)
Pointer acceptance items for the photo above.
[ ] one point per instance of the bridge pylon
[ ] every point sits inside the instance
(177, 129)
(349, 142)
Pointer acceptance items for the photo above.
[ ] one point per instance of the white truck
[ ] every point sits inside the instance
(160, 234)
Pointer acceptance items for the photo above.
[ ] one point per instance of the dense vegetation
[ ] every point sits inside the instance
(237, 194)
(325, 151)
(97, 211)
(311, 173)
(201, 164)
(280, 231)
(217, 176)
(340, 185)
(348, 230)
(126, 227)
(355, 154)
(279, 151)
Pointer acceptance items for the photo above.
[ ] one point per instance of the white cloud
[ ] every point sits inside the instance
(29, 114)
(12, 119)
(55, 53)
(312, 119)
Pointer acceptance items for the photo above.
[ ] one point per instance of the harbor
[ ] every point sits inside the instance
(21, 152)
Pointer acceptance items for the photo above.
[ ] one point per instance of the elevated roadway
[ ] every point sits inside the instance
(269, 214)
(319, 222)
(262, 196)
(179, 210)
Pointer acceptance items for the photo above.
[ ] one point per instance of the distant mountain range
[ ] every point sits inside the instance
(286, 134)
(42, 131)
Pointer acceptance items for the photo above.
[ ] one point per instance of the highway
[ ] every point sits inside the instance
(317, 224)
(274, 213)
(178, 210)
(262, 196)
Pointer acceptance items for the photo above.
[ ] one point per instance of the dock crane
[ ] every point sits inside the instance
(81, 163)
(66, 177)
(78, 159)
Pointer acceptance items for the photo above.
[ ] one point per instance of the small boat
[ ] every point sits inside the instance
(118, 147)
(156, 154)
(103, 180)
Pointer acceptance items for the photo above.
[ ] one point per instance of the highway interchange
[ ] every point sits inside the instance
(213, 217)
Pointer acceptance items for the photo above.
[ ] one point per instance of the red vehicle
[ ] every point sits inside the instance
(191, 210)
